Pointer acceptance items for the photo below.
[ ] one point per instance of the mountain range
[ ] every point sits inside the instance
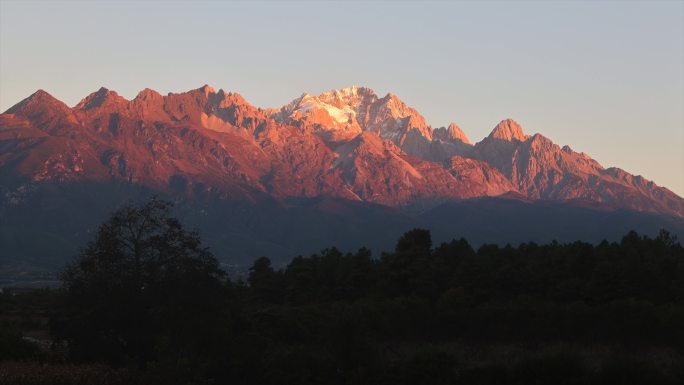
(359, 166)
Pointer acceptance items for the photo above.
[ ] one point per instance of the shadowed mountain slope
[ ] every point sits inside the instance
(304, 175)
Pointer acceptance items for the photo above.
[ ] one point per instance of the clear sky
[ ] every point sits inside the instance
(606, 78)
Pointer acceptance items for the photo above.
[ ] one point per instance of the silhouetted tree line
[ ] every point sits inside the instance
(146, 300)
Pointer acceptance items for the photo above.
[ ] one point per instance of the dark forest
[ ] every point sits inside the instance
(145, 302)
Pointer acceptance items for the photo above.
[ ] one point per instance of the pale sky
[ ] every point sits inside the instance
(606, 78)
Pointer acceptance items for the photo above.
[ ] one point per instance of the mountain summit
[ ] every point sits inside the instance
(349, 144)
(451, 133)
(508, 130)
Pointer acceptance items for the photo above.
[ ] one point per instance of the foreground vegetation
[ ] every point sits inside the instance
(146, 303)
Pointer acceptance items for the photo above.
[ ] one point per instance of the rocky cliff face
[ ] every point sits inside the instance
(340, 115)
(540, 169)
(348, 144)
(451, 134)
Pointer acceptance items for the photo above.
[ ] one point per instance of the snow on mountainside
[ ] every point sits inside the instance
(348, 144)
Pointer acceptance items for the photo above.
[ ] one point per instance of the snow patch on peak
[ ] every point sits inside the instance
(305, 97)
(354, 97)
(343, 93)
(340, 115)
(308, 104)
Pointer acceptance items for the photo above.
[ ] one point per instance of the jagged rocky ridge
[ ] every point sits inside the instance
(349, 144)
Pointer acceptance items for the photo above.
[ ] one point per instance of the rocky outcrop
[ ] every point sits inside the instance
(451, 134)
(540, 169)
(348, 144)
